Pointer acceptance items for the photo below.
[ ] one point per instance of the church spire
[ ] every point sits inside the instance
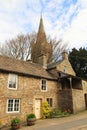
(41, 36)
(41, 51)
(41, 26)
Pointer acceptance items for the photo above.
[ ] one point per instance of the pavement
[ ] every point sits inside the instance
(49, 123)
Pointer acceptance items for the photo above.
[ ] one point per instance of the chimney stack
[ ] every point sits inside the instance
(64, 55)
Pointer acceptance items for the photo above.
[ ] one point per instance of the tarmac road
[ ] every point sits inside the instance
(72, 125)
(74, 122)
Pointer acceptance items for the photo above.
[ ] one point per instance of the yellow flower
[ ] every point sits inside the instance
(0, 121)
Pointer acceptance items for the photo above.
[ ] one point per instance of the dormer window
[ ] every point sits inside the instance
(12, 81)
(43, 85)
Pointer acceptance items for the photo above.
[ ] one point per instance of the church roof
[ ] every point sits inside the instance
(11, 65)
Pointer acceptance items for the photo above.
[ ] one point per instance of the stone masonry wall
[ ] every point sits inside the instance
(65, 64)
(84, 84)
(78, 100)
(28, 89)
(65, 100)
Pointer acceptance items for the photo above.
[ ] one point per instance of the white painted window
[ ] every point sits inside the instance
(12, 81)
(43, 85)
(13, 105)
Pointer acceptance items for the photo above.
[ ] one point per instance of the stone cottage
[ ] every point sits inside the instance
(25, 85)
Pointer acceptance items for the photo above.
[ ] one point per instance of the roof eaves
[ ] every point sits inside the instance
(26, 74)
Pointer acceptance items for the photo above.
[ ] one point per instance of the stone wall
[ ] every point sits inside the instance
(78, 100)
(66, 67)
(84, 85)
(65, 100)
(28, 90)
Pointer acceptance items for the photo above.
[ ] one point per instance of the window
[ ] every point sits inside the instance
(12, 83)
(59, 74)
(13, 105)
(43, 84)
(64, 68)
(50, 101)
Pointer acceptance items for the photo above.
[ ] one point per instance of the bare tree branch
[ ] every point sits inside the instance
(22, 46)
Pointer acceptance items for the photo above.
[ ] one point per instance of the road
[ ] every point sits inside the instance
(74, 122)
(72, 125)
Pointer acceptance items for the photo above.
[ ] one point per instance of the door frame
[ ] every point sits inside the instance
(40, 99)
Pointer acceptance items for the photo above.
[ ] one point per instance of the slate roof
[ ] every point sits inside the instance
(22, 67)
(53, 65)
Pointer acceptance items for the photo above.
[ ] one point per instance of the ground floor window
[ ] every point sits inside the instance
(50, 101)
(13, 105)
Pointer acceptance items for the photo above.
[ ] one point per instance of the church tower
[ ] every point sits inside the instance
(41, 51)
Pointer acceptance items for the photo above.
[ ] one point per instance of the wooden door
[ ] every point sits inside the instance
(38, 108)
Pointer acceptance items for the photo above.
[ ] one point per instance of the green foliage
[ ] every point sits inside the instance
(45, 110)
(55, 113)
(29, 116)
(78, 60)
(15, 121)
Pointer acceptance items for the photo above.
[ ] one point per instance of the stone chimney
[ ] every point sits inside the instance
(43, 60)
(64, 55)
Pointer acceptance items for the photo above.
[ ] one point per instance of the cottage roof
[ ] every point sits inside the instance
(53, 64)
(23, 67)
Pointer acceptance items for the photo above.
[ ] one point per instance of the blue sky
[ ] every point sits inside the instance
(66, 19)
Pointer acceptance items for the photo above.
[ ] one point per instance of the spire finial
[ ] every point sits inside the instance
(41, 26)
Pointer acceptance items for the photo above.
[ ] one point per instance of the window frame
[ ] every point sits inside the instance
(13, 111)
(44, 90)
(50, 102)
(9, 77)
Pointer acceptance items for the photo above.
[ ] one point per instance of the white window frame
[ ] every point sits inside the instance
(41, 85)
(16, 76)
(13, 106)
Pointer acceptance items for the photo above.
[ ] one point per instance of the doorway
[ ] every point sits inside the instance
(38, 103)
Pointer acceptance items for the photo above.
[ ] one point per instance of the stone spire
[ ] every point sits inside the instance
(41, 52)
(41, 26)
(41, 36)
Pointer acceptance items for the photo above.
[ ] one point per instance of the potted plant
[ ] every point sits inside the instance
(31, 119)
(15, 123)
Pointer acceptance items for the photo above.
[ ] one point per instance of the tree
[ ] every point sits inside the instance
(78, 59)
(21, 46)
(58, 47)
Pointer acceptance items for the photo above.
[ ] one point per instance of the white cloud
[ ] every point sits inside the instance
(61, 20)
(76, 34)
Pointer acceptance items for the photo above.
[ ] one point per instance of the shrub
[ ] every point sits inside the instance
(29, 116)
(57, 113)
(0, 121)
(15, 121)
(45, 110)
(31, 119)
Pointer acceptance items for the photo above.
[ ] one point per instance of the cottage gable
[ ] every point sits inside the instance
(64, 65)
